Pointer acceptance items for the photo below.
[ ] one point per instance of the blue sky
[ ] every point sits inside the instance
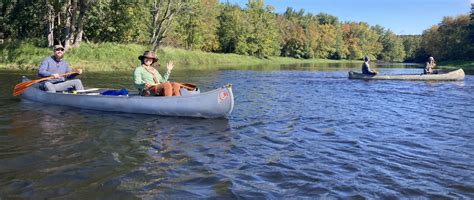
(400, 16)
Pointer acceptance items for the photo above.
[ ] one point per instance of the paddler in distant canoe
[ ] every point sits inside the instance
(430, 65)
(366, 67)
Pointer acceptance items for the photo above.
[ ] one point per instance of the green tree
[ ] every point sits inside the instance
(411, 44)
(293, 45)
(323, 40)
(324, 35)
(455, 34)
(5, 10)
(324, 18)
(430, 44)
(449, 40)
(52, 21)
(360, 40)
(294, 16)
(196, 28)
(118, 21)
(292, 34)
(341, 47)
(83, 8)
(24, 19)
(229, 27)
(163, 13)
(307, 35)
(471, 34)
(392, 47)
(471, 25)
(259, 34)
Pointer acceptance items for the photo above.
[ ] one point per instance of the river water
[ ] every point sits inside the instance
(296, 132)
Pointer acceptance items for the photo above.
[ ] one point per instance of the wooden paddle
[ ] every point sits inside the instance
(23, 86)
(189, 86)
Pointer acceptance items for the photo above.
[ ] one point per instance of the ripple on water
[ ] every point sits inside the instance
(292, 134)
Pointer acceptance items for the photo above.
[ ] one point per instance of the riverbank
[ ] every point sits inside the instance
(112, 57)
(466, 65)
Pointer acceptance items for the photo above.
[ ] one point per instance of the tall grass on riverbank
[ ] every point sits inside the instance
(93, 57)
(467, 65)
(27, 55)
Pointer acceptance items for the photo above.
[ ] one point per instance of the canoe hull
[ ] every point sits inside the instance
(213, 104)
(451, 76)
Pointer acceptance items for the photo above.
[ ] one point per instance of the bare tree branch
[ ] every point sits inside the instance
(80, 26)
(70, 23)
(49, 24)
(163, 13)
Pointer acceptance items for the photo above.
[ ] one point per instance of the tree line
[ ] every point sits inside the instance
(208, 25)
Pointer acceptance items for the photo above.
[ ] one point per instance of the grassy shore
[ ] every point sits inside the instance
(112, 57)
(466, 65)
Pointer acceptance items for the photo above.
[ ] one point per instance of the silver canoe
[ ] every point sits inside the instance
(451, 76)
(213, 104)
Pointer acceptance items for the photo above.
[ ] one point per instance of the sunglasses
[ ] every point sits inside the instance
(59, 49)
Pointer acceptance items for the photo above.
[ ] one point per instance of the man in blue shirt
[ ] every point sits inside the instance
(54, 66)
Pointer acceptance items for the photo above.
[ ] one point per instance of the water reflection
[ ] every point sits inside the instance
(100, 151)
(185, 157)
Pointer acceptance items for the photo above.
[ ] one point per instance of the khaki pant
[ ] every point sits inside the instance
(163, 89)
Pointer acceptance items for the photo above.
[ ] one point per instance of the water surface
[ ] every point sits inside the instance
(296, 131)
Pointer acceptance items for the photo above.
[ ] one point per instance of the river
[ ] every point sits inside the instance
(301, 131)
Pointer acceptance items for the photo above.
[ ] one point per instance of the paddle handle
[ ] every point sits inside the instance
(50, 77)
(190, 86)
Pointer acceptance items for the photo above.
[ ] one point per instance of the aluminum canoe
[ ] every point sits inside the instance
(217, 103)
(451, 76)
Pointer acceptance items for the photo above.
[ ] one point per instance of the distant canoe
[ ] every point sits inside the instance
(213, 104)
(451, 76)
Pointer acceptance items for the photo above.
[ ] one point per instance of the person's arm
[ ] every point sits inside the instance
(69, 69)
(169, 67)
(372, 70)
(166, 76)
(43, 69)
(428, 68)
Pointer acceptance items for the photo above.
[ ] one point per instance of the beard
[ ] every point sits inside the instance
(59, 56)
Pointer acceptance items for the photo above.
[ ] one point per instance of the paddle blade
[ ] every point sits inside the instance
(22, 84)
(19, 91)
(22, 87)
